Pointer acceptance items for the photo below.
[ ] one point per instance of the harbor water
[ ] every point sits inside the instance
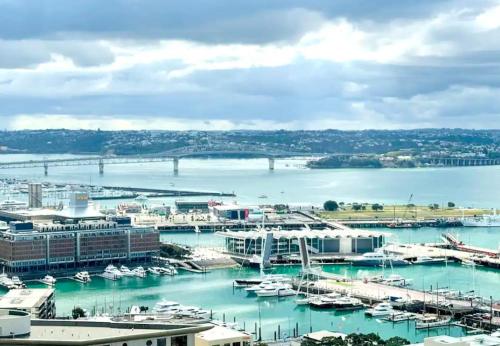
(289, 183)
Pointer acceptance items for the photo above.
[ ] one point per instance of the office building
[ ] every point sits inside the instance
(38, 302)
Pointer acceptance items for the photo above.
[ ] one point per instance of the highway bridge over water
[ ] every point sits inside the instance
(173, 155)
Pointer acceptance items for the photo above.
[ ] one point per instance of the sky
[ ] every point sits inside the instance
(239, 64)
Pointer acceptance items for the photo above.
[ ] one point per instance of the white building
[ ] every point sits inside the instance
(17, 329)
(471, 340)
(218, 336)
(39, 302)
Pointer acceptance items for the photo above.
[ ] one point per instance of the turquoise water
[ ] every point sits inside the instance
(214, 291)
(289, 183)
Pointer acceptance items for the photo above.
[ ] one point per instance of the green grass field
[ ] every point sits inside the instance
(399, 211)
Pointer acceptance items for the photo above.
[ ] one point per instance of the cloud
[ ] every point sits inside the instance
(232, 64)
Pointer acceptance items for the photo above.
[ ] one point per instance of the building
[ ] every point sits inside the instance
(28, 247)
(317, 337)
(38, 302)
(187, 206)
(319, 242)
(231, 212)
(34, 195)
(218, 336)
(16, 328)
(471, 340)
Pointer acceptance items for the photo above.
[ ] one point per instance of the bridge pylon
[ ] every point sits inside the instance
(45, 168)
(101, 166)
(271, 163)
(176, 165)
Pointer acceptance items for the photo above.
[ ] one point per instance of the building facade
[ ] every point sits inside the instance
(28, 247)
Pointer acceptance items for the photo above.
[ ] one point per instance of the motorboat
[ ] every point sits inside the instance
(374, 259)
(381, 309)
(490, 220)
(49, 280)
(347, 303)
(139, 272)
(426, 260)
(265, 284)
(258, 280)
(155, 270)
(112, 273)
(400, 316)
(166, 306)
(427, 322)
(125, 271)
(82, 277)
(396, 280)
(276, 291)
(168, 270)
(17, 282)
(324, 301)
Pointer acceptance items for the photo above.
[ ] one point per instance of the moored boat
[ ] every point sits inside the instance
(82, 277)
(49, 280)
(374, 259)
(426, 260)
(432, 322)
(381, 309)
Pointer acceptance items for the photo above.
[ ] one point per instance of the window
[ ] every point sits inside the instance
(179, 341)
(161, 342)
(236, 343)
(149, 343)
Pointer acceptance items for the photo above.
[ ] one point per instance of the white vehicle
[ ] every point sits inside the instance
(432, 322)
(125, 271)
(139, 272)
(276, 291)
(155, 270)
(426, 260)
(492, 220)
(49, 280)
(112, 273)
(381, 309)
(82, 277)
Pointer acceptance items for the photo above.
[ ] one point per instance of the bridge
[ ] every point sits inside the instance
(173, 155)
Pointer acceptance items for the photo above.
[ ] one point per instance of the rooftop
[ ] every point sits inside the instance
(303, 233)
(221, 333)
(25, 298)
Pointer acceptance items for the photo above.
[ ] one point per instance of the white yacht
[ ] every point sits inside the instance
(427, 322)
(125, 271)
(324, 301)
(283, 290)
(166, 306)
(139, 272)
(400, 316)
(381, 309)
(112, 273)
(396, 280)
(168, 270)
(82, 277)
(373, 259)
(265, 284)
(426, 260)
(17, 282)
(491, 220)
(49, 280)
(155, 270)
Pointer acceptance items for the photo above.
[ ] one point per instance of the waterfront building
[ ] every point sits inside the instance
(218, 335)
(16, 328)
(34, 195)
(38, 302)
(231, 212)
(319, 242)
(33, 247)
(187, 206)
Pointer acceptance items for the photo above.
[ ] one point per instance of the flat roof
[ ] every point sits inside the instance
(320, 335)
(74, 332)
(303, 233)
(25, 298)
(222, 333)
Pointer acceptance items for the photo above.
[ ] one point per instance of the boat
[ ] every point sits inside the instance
(139, 272)
(426, 260)
(17, 282)
(396, 280)
(324, 301)
(263, 196)
(125, 271)
(427, 322)
(258, 280)
(404, 225)
(49, 280)
(347, 303)
(112, 273)
(174, 308)
(276, 291)
(82, 277)
(166, 306)
(155, 270)
(381, 309)
(168, 270)
(489, 220)
(265, 284)
(400, 316)
(373, 259)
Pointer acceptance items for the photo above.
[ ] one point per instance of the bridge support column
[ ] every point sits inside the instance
(271, 164)
(101, 166)
(176, 165)
(46, 168)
